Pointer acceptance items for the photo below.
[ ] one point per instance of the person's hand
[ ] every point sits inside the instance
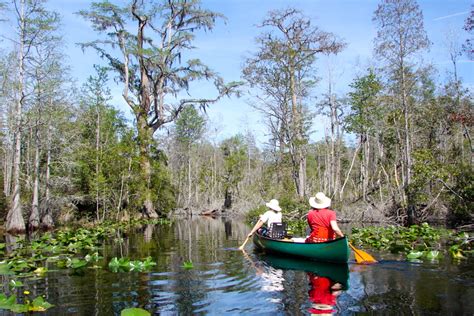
(249, 235)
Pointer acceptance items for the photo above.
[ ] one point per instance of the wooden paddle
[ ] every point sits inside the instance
(243, 245)
(362, 256)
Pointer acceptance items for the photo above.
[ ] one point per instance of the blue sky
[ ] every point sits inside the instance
(225, 48)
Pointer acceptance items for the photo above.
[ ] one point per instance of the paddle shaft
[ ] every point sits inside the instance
(245, 241)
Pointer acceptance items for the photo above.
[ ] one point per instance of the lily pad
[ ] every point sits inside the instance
(7, 302)
(134, 312)
(434, 254)
(39, 305)
(415, 255)
(15, 284)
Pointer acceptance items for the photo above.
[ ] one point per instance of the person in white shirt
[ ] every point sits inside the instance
(273, 215)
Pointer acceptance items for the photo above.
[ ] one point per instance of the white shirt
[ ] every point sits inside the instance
(271, 217)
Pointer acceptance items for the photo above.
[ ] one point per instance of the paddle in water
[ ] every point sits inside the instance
(362, 256)
(243, 245)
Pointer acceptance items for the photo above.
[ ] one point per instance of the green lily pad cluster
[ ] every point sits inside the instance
(416, 242)
(127, 265)
(36, 305)
(74, 249)
(416, 256)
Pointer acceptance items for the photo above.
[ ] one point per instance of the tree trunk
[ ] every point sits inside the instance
(144, 139)
(228, 199)
(47, 222)
(332, 157)
(122, 184)
(34, 220)
(15, 222)
(299, 160)
(365, 166)
(356, 151)
(337, 153)
(7, 171)
(7, 145)
(189, 175)
(408, 162)
(27, 160)
(97, 167)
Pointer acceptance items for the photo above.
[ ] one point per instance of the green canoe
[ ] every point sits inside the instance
(336, 250)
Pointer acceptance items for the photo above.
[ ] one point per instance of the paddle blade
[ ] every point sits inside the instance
(362, 256)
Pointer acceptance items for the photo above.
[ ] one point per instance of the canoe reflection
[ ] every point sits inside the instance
(338, 272)
(326, 280)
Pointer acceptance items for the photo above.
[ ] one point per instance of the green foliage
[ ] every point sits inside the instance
(15, 284)
(254, 214)
(461, 197)
(37, 305)
(290, 204)
(188, 265)
(235, 153)
(164, 196)
(3, 199)
(104, 154)
(427, 170)
(127, 265)
(189, 126)
(67, 248)
(365, 110)
(416, 241)
(134, 312)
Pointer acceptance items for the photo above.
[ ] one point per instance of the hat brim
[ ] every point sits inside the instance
(324, 204)
(273, 207)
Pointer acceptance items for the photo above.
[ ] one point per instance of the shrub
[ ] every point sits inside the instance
(461, 198)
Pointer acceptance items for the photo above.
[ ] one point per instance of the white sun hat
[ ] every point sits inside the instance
(320, 200)
(274, 205)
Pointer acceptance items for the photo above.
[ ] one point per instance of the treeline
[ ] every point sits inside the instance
(68, 153)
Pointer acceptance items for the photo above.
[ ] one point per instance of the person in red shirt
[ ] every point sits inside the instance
(321, 220)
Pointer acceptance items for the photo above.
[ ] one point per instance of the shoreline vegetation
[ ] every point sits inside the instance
(397, 147)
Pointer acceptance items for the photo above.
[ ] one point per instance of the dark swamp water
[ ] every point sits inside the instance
(225, 281)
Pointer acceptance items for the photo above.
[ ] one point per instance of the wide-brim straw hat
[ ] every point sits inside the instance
(320, 200)
(274, 205)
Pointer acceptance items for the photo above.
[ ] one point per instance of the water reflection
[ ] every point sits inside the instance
(11, 242)
(326, 280)
(228, 282)
(323, 294)
(271, 278)
(338, 272)
(148, 232)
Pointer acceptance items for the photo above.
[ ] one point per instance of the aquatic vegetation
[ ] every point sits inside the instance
(416, 241)
(127, 265)
(73, 249)
(15, 284)
(188, 264)
(68, 248)
(36, 305)
(134, 312)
